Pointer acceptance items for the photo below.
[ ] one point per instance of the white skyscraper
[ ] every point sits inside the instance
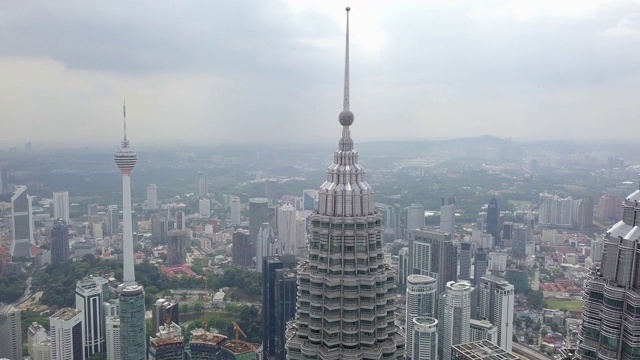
(61, 205)
(113, 341)
(152, 197)
(234, 215)
(266, 245)
(301, 236)
(448, 215)
(204, 207)
(287, 227)
(21, 223)
(457, 316)
(495, 304)
(203, 185)
(10, 333)
(90, 300)
(415, 217)
(421, 301)
(132, 310)
(67, 335)
(424, 339)
(403, 265)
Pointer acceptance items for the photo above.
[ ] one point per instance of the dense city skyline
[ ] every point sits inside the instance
(209, 73)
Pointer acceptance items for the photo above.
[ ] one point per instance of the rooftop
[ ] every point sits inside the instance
(66, 314)
(483, 350)
(238, 347)
(205, 337)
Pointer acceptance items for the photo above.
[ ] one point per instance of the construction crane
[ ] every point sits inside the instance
(238, 331)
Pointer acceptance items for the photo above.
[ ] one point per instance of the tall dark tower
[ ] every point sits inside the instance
(271, 328)
(493, 221)
(59, 242)
(346, 292)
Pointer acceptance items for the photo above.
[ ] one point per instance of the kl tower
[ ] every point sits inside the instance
(132, 324)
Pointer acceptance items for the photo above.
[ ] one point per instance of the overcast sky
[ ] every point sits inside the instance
(210, 72)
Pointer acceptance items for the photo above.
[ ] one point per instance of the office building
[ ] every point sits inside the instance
(585, 213)
(132, 321)
(507, 231)
(21, 223)
(234, 215)
(35, 333)
(270, 190)
(338, 314)
(266, 245)
(204, 207)
(457, 315)
(90, 301)
(162, 310)
(448, 215)
(497, 262)
(415, 217)
(432, 253)
(112, 221)
(205, 345)
(287, 228)
(152, 197)
(521, 237)
(258, 215)
(10, 333)
(610, 329)
(177, 247)
(493, 221)
(113, 339)
(41, 350)
(483, 330)
(481, 350)
(61, 205)
(424, 339)
(168, 343)
(421, 301)
(242, 249)
(160, 227)
(464, 261)
(403, 265)
(495, 304)
(180, 220)
(59, 242)
(309, 199)
(66, 327)
(203, 185)
(278, 302)
(481, 264)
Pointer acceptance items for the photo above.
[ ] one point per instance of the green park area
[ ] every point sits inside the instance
(571, 305)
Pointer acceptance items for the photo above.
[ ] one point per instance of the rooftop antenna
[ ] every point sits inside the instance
(345, 105)
(125, 142)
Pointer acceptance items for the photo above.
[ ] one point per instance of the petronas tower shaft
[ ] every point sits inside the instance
(346, 292)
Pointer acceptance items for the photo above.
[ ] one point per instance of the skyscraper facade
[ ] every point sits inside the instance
(204, 207)
(493, 221)
(59, 242)
(61, 205)
(464, 261)
(309, 199)
(113, 339)
(421, 301)
(424, 339)
(481, 264)
(67, 334)
(346, 292)
(10, 333)
(162, 310)
(152, 197)
(496, 304)
(457, 315)
(113, 221)
(266, 245)
(242, 249)
(177, 247)
(90, 301)
(132, 311)
(287, 226)
(432, 253)
(21, 223)
(234, 215)
(258, 215)
(610, 322)
(271, 326)
(415, 217)
(448, 215)
(203, 185)
(403, 265)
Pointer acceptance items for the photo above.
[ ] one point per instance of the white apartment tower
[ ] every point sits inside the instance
(424, 339)
(67, 334)
(152, 197)
(61, 205)
(21, 223)
(457, 315)
(234, 205)
(495, 304)
(346, 292)
(10, 333)
(287, 228)
(113, 341)
(421, 301)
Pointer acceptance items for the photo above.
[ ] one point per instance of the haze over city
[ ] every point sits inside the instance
(267, 71)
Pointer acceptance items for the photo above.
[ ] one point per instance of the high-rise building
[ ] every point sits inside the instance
(481, 265)
(168, 343)
(205, 345)
(113, 221)
(286, 296)
(424, 339)
(270, 190)
(457, 316)
(59, 242)
(35, 334)
(493, 221)
(287, 226)
(10, 333)
(177, 247)
(272, 325)
(483, 330)
(67, 334)
(464, 261)
(345, 306)
(180, 220)
(160, 226)
(266, 245)
(585, 213)
(203, 185)
(21, 223)
(113, 338)
(162, 310)
(61, 205)
(309, 199)
(497, 262)
(132, 311)
(507, 231)
(610, 327)
(242, 249)
(204, 207)
(90, 301)
(152, 197)
(415, 217)
(421, 301)
(432, 253)
(234, 215)
(3, 182)
(521, 237)
(495, 304)
(258, 215)
(556, 211)
(448, 215)
(481, 350)
(403, 265)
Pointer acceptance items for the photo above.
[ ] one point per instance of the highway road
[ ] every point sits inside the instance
(26, 295)
(527, 352)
